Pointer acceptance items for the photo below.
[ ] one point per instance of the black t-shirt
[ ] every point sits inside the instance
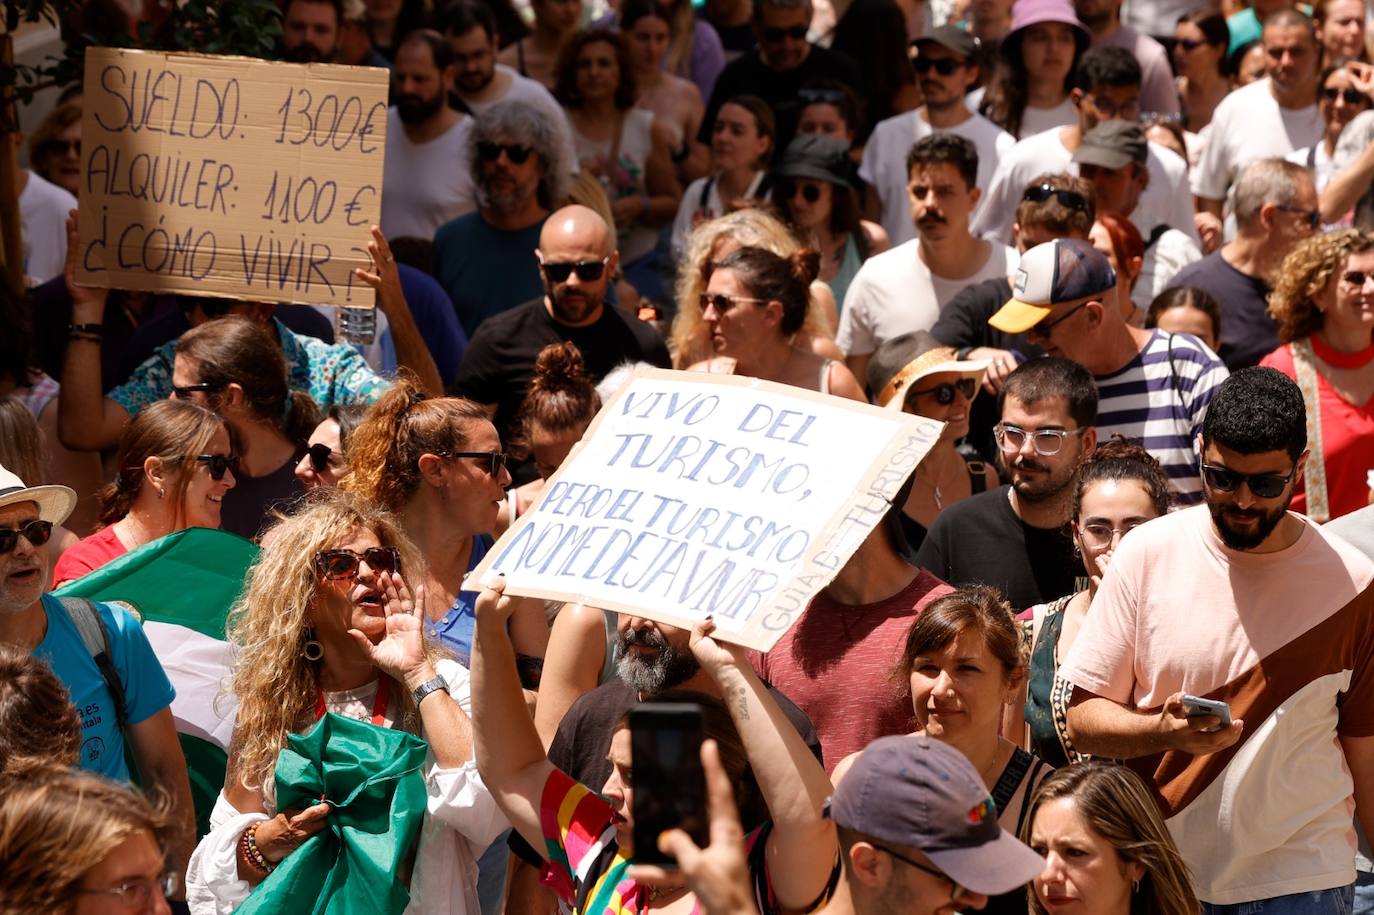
(1248, 334)
(980, 540)
(499, 363)
(750, 76)
(246, 506)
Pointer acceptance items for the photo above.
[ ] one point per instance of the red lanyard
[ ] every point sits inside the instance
(378, 704)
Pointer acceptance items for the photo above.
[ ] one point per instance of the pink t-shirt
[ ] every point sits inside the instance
(87, 555)
(1287, 640)
(836, 664)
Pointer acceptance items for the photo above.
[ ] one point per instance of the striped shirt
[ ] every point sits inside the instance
(1159, 399)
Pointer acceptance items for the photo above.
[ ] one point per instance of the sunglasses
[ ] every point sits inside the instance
(183, 391)
(1312, 217)
(587, 271)
(516, 153)
(1356, 278)
(1044, 328)
(35, 532)
(775, 35)
(319, 454)
(945, 67)
(1190, 44)
(944, 393)
(827, 96)
(1070, 199)
(1351, 96)
(220, 463)
(337, 565)
(61, 147)
(787, 191)
(722, 303)
(1262, 485)
(495, 459)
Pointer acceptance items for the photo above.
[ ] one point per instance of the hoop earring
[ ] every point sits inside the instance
(1135, 886)
(313, 650)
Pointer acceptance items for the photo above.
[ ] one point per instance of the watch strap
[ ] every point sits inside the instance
(427, 687)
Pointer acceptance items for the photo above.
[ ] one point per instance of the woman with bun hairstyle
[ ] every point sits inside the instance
(176, 461)
(754, 304)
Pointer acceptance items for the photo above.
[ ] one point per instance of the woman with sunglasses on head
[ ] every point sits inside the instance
(176, 460)
(676, 102)
(1107, 850)
(754, 304)
(813, 189)
(914, 373)
(1120, 486)
(328, 622)
(1339, 99)
(1201, 38)
(1029, 92)
(325, 460)
(1323, 301)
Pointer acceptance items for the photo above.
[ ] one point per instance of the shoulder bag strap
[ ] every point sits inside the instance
(1016, 769)
(1314, 474)
(96, 638)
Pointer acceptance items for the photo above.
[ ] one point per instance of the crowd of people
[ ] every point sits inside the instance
(1123, 250)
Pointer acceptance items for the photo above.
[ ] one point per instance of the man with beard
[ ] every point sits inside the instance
(902, 290)
(576, 258)
(1015, 537)
(310, 31)
(1246, 603)
(946, 67)
(426, 181)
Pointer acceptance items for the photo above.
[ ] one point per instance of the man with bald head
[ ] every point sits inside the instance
(576, 259)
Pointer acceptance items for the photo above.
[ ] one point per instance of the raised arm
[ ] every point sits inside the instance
(802, 845)
(411, 351)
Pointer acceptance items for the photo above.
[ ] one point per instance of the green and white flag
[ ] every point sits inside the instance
(182, 587)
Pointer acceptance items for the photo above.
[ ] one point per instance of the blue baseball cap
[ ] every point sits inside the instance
(1063, 270)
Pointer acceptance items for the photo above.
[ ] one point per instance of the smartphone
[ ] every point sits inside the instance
(1196, 705)
(669, 783)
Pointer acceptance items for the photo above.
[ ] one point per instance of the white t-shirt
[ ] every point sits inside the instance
(43, 208)
(1247, 125)
(425, 185)
(895, 293)
(1170, 253)
(1165, 200)
(1039, 120)
(884, 164)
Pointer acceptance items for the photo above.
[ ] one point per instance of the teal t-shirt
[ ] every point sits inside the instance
(147, 690)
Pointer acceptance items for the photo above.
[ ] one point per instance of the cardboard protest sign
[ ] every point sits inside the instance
(230, 176)
(695, 494)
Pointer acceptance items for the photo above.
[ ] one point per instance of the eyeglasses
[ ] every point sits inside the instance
(495, 459)
(1262, 485)
(1350, 96)
(337, 565)
(587, 271)
(944, 67)
(138, 894)
(1127, 112)
(1356, 278)
(183, 391)
(1044, 328)
(775, 35)
(956, 892)
(1098, 536)
(35, 532)
(1046, 442)
(220, 463)
(516, 153)
(809, 192)
(61, 147)
(722, 303)
(944, 393)
(1312, 217)
(319, 454)
(1070, 199)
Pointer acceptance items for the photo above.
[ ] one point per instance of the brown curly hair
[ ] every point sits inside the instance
(565, 72)
(1305, 274)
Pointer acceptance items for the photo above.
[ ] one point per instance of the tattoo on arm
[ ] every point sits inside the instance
(738, 696)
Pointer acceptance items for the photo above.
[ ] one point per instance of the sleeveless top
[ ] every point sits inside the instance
(1047, 694)
(624, 177)
(915, 532)
(1012, 795)
(849, 266)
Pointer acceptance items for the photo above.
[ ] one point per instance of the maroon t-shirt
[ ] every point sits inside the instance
(836, 664)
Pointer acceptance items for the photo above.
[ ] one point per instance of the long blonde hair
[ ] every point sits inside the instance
(275, 684)
(751, 228)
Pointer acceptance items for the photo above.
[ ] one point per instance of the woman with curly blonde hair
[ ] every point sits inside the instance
(1324, 305)
(327, 623)
(690, 340)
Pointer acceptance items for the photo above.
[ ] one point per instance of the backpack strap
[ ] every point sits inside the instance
(96, 638)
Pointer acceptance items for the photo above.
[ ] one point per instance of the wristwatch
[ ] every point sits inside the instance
(427, 687)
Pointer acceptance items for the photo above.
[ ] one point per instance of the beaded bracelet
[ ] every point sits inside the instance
(248, 845)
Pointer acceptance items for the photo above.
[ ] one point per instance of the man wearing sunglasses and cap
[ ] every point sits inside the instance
(1228, 656)
(34, 621)
(1152, 386)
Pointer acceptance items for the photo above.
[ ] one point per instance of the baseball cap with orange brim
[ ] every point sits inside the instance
(1062, 270)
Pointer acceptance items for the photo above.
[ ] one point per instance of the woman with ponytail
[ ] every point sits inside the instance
(175, 463)
(754, 304)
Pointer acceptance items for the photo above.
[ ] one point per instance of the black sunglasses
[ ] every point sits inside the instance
(1262, 485)
(775, 35)
(1042, 192)
(814, 95)
(336, 565)
(787, 190)
(723, 302)
(182, 391)
(495, 459)
(35, 532)
(319, 454)
(1351, 96)
(1044, 328)
(945, 67)
(1190, 44)
(516, 153)
(944, 393)
(1312, 217)
(1356, 278)
(220, 463)
(587, 271)
(61, 147)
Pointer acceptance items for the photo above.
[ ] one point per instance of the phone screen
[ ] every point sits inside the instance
(669, 786)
